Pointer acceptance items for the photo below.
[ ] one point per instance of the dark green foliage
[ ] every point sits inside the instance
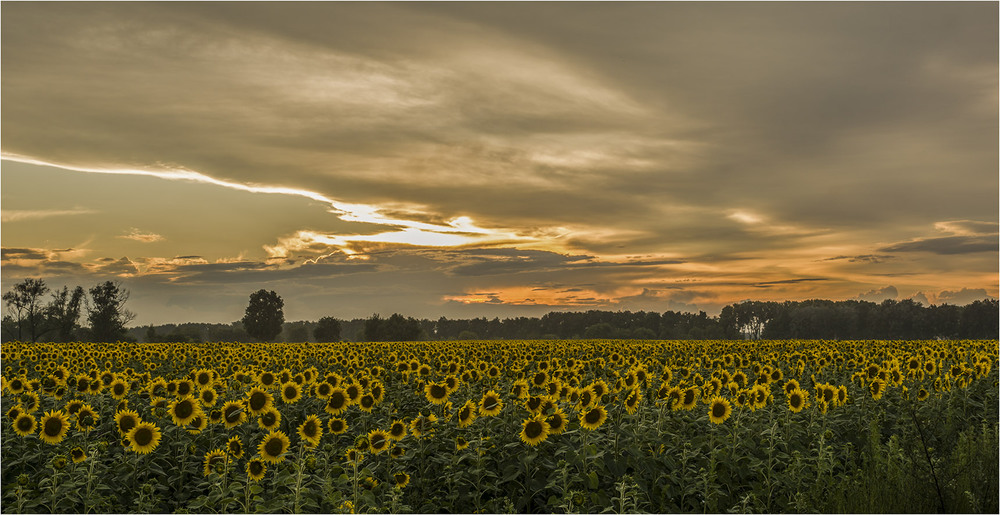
(327, 330)
(264, 315)
(107, 314)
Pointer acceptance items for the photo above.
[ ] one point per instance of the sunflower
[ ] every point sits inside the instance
(922, 395)
(397, 451)
(339, 426)
(203, 377)
(208, 396)
(632, 401)
(256, 469)
(557, 421)
(267, 380)
(118, 389)
(719, 410)
(490, 405)
(354, 392)
(423, 425)
(354, 456)
(322, 390)
(467, 415)
(212, 459)
(77, 454)
(144, 437)
(24, 424)
(337, 402)
(401, 479)
(234, 413)
(790, 386)
(73, 406)
(689, 397)
(366, 403)
(235, 447)
(398, 429)
(797, 400)
(54, 427)
(534, 430)
(86, 418)
(461, 443)
(436, 393)
(877, 388)
(291, 392)
(593, 418)
(311, 431)
(378, 440)
(841, 395)
(184, 388)
(183, 410)
(273, 447)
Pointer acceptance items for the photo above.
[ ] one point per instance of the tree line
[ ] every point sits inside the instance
(30, 317)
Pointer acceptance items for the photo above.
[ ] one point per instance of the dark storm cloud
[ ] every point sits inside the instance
(865, 258)
(947, 245)
(15, 253)
(615, 108)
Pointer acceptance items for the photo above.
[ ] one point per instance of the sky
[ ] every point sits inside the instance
(500, 159)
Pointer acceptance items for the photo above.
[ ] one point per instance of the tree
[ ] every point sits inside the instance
(63, 312)
(107, 314)
(264, 315)
(327, 330)
(26, 315)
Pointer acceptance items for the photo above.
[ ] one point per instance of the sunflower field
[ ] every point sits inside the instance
(566, 426)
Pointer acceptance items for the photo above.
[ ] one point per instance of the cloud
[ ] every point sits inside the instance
(864, 258)
(947, 245)
(962, 297)
(879, 295)
(19, 215)
(143, 237)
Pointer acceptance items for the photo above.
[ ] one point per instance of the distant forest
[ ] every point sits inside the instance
(811, 319)
(33, 312)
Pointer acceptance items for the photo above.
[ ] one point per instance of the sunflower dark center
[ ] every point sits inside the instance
(489, 403)
(718, 410)
(268, 419)
(688, 396)
(203, 378)
(555, 422)
(796, 400)
(119, 389)
(274, 447)
(258, 400)
(465, 413)
(438, 391)
(53, 426)
(256, 468)
(183, 388)
(593, 416)
(290, 392)
(310, 429)
(534, 429)
(184, 409)
(77, 453)
(24, 424)
(337, 400)
(367, 401)
(142, 436)
(828, 395)
(377, 441)
(337, 426)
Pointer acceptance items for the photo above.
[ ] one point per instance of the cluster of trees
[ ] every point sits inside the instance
(30, 318)
(861, 320)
